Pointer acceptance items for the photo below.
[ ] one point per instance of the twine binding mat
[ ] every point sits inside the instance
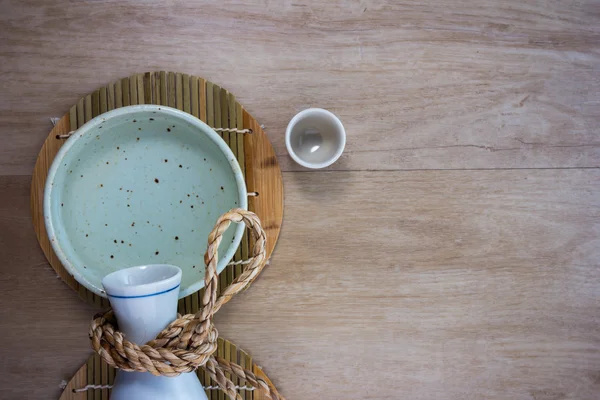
(219, 109)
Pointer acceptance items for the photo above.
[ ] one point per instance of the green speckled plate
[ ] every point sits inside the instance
(141, 185)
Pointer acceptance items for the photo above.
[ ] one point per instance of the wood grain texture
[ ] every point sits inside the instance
(448, 84)
(454, 284)
(413, 269)
(443, 285)
(32, 339)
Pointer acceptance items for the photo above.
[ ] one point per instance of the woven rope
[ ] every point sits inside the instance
(190, 341)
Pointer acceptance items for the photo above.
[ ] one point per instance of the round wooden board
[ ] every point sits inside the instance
(97, 372)
(203, 99)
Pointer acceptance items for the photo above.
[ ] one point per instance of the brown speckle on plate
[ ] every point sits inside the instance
(151, 119)
(180, 166)
(133, 223)
(176, 237)
(168, 129)
(166, 160)
(156, 253)
(111, 256)
(115, 240)
(192, 206)
(134, 120)
(156, 180)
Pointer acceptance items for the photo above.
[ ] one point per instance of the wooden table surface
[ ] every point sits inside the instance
(452, 253)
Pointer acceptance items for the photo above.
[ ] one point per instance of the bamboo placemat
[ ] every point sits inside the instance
(203, 99)
(97, 372)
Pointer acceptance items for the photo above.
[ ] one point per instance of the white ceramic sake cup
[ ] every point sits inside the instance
(315, 138)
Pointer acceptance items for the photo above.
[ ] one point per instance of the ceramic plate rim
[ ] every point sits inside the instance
(123, 111)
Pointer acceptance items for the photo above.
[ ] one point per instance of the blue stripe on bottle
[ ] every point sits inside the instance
(143, 295)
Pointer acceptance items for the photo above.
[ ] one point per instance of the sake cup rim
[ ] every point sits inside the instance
(142, 281)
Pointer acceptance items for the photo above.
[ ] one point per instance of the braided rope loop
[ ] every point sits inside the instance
(190, 341)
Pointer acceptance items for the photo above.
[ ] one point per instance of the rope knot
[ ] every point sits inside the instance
(190, 341)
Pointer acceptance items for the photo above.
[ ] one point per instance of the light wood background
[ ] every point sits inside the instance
(452, 253)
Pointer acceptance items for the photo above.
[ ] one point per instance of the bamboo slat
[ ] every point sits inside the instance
(195, 96)
(186, 93)
(203, 100)
(96, 103)
(179, 91)
(104, 380)
(87, 105)
(126, 94)
(73, 118)
(140, 88)
(97, 376)
(80, 112)
(103, 100)
(148, 84)
(110, 93)
(221, 353)
(133, 95)
(118, 94)
(90, 375)
(171, 102)
(163, 88)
